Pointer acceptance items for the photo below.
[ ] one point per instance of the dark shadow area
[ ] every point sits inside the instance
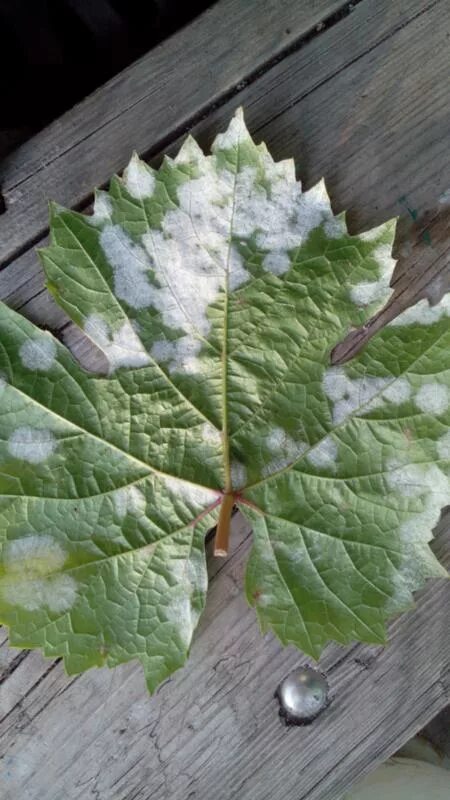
(55, 52)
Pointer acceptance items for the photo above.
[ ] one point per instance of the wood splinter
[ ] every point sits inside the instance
(223, 526)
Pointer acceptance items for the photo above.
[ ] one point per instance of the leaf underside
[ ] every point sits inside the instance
(216, 290)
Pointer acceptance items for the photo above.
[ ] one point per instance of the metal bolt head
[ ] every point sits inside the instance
(302, 696)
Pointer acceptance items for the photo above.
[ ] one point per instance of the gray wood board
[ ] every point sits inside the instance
(213, 730)
(351, 104)
(160, 93)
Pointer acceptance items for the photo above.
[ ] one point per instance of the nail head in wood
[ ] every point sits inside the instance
(302, 695)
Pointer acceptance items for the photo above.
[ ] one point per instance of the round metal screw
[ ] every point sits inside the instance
(302, 696)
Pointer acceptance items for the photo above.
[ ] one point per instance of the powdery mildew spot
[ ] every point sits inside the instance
(123, 348)
(131, 267)
(190, 493)
(406, 479)
(429, 484)
(211, 435)
(188, 578)
(102, 209)
(282, 220)
(238, 475)
(3, 384)
(181, 354)
(285, 451)
(432, 398)
(367, 292)
(129, 500)
(29, 580)
(443, 446)
(235, 134)
(190, 153)
(351, 396)
(138, 179)
(38, 353)
(423, 314)
(31, 444)
(398, 392)
(324, 454)
(374, 233)
(192, 257)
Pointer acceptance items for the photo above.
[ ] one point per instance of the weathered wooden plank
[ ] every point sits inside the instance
(213, 729)
(83, 148)
(372, 137)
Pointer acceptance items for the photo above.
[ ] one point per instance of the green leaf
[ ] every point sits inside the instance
(217, 290)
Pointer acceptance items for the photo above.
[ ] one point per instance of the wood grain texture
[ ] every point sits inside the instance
(162, 92)
(365, 103)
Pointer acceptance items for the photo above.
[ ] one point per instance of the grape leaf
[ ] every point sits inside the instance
(217, 290)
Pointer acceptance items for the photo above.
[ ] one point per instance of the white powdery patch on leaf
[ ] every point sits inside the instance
(190, 153)
(39, 354)
(179, 355)
(423, 314)
(138, 179)
(443, 446)
(30, 581)
(324, 454)
(32, 444)
(235, 134)
(192, 494)
(238, 475)
(367, 292)
(351, 396)
(211, 435)
(432, 398)
(131, 267)
(280, 221)
(102, 209)
(192, 255)
(129, 500)
(398, 392)
(122, 348)
(285, 449)
(426, 483)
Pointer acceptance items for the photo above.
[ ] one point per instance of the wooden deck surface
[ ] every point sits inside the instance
(356, 92)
